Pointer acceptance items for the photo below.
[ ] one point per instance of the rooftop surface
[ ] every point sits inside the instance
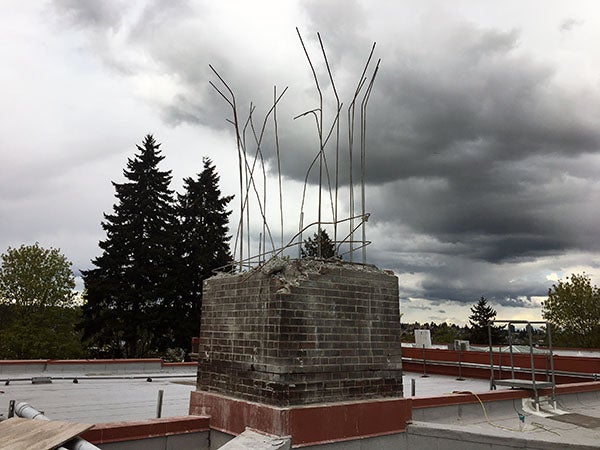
(107, 393)
(444, 409)
(125, 395)
(574, 424)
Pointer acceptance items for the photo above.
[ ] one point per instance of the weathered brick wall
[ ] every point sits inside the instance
(301, 332)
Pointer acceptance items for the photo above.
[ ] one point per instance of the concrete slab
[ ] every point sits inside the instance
(482, 436)
(251, 440)
(497, 425)
(580, 420)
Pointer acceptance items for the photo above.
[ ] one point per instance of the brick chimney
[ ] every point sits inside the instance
(299, 332)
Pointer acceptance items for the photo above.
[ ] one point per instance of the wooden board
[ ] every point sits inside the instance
(27, 434)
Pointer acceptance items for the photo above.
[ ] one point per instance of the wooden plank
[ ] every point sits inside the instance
(27, 434)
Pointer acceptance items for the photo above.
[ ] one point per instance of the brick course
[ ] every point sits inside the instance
(301, 332)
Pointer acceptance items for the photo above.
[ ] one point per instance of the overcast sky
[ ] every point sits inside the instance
(483, 144)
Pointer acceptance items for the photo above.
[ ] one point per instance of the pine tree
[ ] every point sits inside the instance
(481, 315)
(203, 244)
(130, 288)
(311, 246)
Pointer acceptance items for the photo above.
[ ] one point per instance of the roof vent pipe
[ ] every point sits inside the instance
(27, 411)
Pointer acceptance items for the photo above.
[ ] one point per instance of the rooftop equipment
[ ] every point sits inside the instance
(461, 345)
(513, 382)
(422, 338)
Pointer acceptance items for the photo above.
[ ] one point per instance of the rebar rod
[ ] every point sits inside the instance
(247, 176)
(337, 140)
(262, 236)
(232, 103)
(258, 140)
(320, 131)
(278, 159)
(363, 144)
(351, 119)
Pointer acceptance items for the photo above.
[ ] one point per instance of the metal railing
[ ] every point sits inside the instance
(513, 382)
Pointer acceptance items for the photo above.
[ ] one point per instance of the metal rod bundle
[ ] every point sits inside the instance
(328, 129)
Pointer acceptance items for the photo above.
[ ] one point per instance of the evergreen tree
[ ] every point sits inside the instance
(203, 245)
(311, 246)
(130, 288)
(481, 315)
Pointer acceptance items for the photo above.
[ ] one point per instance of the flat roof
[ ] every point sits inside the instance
(574, 424)
(101, 394)
(444, 407)
(123, 394)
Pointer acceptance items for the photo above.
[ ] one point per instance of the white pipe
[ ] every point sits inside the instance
(80, 444)
(27, 411)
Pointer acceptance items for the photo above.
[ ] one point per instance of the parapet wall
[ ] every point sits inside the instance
(301, 332)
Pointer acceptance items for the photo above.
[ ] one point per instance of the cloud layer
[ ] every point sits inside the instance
(483, 149)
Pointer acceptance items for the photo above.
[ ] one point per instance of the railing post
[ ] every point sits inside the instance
(159, 403)
(492, 386)
(460, 378)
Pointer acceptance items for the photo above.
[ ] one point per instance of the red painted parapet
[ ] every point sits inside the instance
(128, 431)
(412, 360)
(479, 357)
(465, 397)
(310, 425)
(307, 425)
(233, 415)
(574, 388)
(91, 362)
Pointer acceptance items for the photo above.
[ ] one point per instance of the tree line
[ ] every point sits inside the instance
(143, 295)
(476, 331)
(572, 309)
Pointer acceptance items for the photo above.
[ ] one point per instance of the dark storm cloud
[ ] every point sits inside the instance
(485, 149)
(479, 157)
(341, 24)
(445, 287)
(451, 104)
(461, 117)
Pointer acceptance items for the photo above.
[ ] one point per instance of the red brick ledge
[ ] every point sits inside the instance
(573, 388)
(128, 431)
(307, 425)
(322, 424)
(463, 397)
(78, 361)
(180, 364)
(17, 362)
